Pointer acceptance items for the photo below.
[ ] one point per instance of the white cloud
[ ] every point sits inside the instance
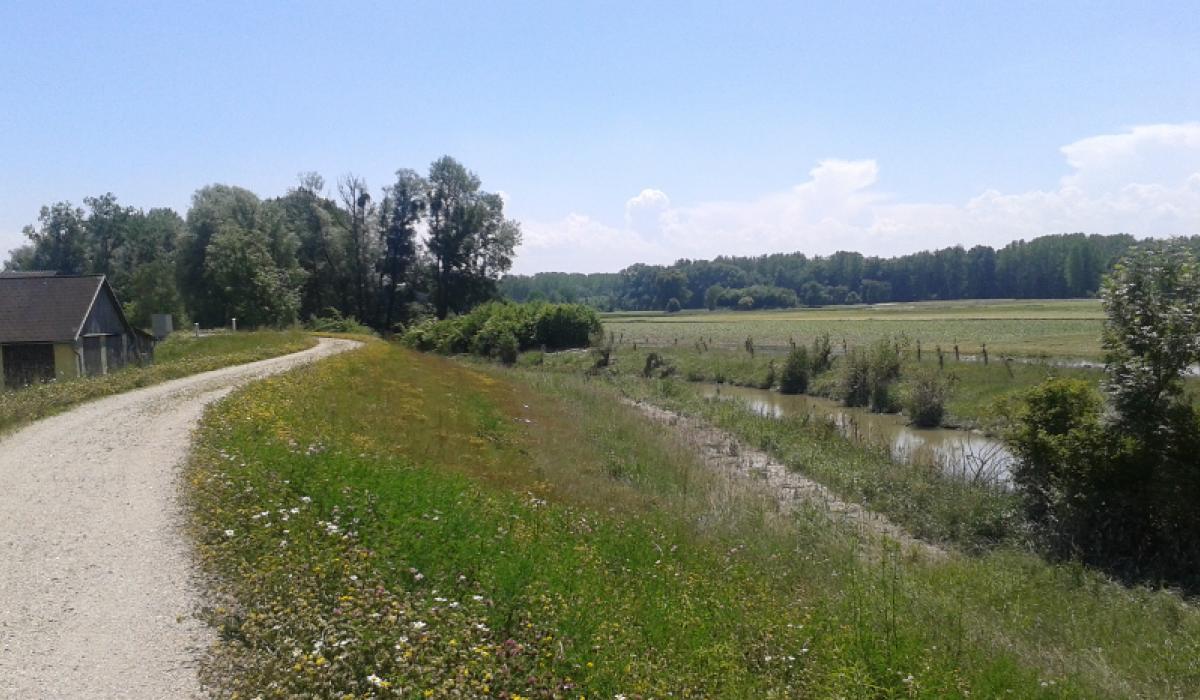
(1164, 153)
(1144, 181)
(580, 243)
(643, 213)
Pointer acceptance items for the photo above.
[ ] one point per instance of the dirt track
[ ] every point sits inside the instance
(728, 455)
(96, 585)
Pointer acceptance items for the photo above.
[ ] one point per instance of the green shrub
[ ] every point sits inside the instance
(768, 382)
(332, 321)
(673, 306)
(746, 303)
(486, 330)
(868, 375)
(822, 355)
(795, 372)
(1115, 482)
(923, 398)
(853, 386)
(506, 348)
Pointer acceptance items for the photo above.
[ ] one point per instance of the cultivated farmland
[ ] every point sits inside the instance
(1065, 329)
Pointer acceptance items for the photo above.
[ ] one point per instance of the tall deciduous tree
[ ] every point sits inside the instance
(239, 259)
(321, 230)
(60, 242)
(357, 202)
(469, 239)
(404, 205)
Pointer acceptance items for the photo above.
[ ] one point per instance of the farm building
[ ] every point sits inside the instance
(63, 326)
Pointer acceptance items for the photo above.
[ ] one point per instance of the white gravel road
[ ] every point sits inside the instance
(97, 587)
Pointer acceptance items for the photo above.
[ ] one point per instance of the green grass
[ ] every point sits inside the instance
(178, 356)
(385, 524)
(1067, 329)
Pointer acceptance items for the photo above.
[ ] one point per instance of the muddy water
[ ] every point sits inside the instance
(962, 453)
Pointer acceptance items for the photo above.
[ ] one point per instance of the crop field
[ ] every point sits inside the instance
(1061, 329)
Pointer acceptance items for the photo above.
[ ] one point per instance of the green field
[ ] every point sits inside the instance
(1061, 329)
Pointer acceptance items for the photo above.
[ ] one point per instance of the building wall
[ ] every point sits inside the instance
(66, 362)
(118, 344)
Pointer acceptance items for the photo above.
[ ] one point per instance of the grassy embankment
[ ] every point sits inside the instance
(178, 356)
(388, 524)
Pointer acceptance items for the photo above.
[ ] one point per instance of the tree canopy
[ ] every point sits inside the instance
(295, 257)
(1058, 266)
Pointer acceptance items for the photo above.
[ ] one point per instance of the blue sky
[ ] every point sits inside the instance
(629, 132)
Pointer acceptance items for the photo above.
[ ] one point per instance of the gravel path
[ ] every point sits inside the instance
(97, 588)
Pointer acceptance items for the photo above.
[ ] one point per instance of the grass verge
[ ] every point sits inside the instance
(179, 356)
(385, 524)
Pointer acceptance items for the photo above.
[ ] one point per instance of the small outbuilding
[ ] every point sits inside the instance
(63, 326)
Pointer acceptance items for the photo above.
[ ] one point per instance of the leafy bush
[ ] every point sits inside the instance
(506, 348)
(795, 372)
(673, 306)
(1115, 482)
(868, 375)
(822, 354)
(769, 381)
(491, 329)
(923, 398)
(852, 381)
(761, 296)
(332, 321)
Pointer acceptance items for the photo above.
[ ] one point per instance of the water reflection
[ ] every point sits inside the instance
(963, 453)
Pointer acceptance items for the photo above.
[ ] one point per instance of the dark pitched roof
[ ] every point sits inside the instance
(41, 309)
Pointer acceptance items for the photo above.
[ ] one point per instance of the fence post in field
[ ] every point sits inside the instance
(956, 356)
(941, 358)
(196, 328)
(985, 357)
(918, 350)
(234, 320)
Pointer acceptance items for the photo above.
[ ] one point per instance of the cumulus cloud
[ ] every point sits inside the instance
(643, 212)
(1144, 181)
(1155, 153)
(579, 243)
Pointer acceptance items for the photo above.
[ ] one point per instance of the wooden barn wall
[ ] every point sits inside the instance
(104, 318)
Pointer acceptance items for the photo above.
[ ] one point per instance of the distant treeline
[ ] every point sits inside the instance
(1049, 267)
(289, 258)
